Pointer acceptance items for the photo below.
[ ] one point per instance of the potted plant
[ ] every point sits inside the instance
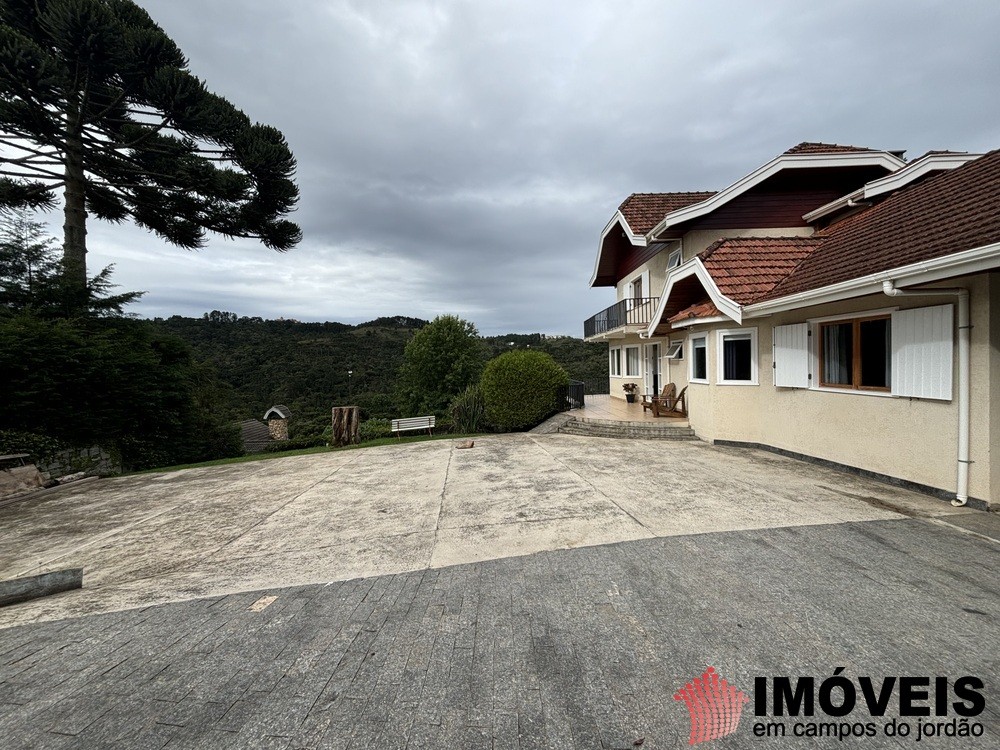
(630, 389)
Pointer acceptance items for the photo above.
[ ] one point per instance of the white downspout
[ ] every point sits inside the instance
(964, 337)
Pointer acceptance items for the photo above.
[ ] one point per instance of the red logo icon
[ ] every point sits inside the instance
(715, 706)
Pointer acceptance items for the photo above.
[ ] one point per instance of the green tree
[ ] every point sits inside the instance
(442, 359)
(30, 278)
(110, 382)
(519, 389)
(29, 268)
(96, 100)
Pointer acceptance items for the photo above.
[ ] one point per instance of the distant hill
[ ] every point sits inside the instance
(305, 365)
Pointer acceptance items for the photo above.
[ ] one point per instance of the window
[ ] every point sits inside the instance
(897, 352)
(615, 363)
(674, 259)
(738, 357)
(699, 360)
(856, 354)
(675, 350)
(637, 288)
(631, 361)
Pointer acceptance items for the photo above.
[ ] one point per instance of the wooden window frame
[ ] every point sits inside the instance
(855, 384)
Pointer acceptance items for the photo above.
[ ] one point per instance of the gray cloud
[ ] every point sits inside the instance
(464, 156)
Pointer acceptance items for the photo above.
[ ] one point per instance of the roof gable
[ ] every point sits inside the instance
(846, 158)
(946, 213)
(745, 269)
(643, 211)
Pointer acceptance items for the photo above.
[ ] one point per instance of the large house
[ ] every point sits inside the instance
(838, 303)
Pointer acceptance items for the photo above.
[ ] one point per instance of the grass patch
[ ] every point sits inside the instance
(305, 452)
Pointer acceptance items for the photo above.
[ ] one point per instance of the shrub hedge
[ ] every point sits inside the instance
(519, 389)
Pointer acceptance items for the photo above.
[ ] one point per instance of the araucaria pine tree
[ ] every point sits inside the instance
(96, 101)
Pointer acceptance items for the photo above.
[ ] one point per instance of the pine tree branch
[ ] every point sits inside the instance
(29, 175)
(17, 143)
(117, 101)
(24, 160)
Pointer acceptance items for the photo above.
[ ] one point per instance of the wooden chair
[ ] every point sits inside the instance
(649, 401)
(671, 407)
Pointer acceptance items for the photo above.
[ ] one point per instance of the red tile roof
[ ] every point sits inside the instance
(746, 268)
(807, 147)
(947, 213)
(697, 310)
(643, 211)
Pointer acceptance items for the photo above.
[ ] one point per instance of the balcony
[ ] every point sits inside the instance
(629, 315)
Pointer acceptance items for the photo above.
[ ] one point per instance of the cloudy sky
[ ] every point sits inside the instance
(462, 156)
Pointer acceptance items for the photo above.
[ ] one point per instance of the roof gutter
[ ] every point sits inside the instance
(964, 336)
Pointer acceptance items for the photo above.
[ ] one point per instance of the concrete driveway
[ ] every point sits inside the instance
(169, 537)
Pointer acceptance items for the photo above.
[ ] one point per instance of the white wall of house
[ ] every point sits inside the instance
(913, 439)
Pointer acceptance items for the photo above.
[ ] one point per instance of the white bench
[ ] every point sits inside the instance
(413, 423)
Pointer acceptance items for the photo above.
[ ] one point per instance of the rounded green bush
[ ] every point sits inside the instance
(519, 389)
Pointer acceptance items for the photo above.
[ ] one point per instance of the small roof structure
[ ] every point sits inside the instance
(254, 435)
(279, 411)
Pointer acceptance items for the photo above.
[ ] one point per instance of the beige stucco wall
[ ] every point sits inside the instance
(993, 443)
(912, 439)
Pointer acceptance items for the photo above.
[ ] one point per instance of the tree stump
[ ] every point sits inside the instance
(345, 426)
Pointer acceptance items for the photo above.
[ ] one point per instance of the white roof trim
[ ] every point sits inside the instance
(698, 321)
(638, 240)
(900, 178)
(977, 260)
(914, 170)
(695, 267)
(833, 206)
(784, 161)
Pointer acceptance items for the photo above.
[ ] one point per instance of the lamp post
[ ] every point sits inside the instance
(349, 389)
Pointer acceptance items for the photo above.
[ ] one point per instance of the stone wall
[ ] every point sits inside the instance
(278, 429)
(93, 461)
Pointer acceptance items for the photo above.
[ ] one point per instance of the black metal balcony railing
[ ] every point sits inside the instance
(629, 312)
(570, 396)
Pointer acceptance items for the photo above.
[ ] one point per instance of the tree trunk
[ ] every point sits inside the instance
(345, 426)
(75, 226)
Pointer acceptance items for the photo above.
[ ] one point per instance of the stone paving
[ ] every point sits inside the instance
(565, 649)
(158, 538)
(534, 592)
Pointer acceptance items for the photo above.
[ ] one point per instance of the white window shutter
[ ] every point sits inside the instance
(922, 343)
(791, 356)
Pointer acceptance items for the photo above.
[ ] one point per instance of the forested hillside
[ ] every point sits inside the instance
(305, 365)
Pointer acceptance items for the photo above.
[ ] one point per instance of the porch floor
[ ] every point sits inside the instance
(619, 410)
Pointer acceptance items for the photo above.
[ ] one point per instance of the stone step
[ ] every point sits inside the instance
(627, 430)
